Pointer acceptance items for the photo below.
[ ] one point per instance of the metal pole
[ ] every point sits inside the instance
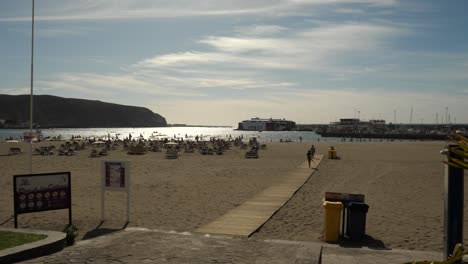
(15, 202)
(128, 203)
(69, 201)
(32, 92)
(103, 176)
(446, 114)
(453, 222)
(127, 172)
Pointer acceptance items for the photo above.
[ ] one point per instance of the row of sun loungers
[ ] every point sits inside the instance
(44, 151)
(66, 152)
(173, 149)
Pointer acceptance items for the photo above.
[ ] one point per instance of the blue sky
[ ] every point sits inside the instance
(220, 62)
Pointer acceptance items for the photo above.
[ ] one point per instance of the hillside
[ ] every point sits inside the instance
(53, 111)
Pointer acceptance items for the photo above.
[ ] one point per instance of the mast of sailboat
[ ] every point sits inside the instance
(32, 93)
(411, 115)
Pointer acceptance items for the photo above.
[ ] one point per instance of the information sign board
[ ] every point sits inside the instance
(41, 192)
(116, 175)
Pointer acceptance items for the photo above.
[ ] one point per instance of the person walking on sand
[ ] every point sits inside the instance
(312, 151)
(309, 157)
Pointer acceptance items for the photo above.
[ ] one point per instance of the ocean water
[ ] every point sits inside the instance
(170, 132)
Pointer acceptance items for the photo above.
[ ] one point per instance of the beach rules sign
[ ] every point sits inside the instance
(115, 177)
(41, 192)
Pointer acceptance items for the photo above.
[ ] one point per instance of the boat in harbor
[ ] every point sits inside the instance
(356, 128)
(267, 124)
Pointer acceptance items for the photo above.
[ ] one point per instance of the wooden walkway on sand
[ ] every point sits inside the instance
(251, 215)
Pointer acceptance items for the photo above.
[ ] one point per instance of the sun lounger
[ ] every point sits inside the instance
(172, 154)
(94, 154)
(189, 150)
(38, 151)
(15, 151)
(136, 150)
(251, 154)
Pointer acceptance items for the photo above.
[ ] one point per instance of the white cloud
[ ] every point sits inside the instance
(236, 63)
(57, 31)
(262, 30)
(213, 59)
(15, 91)
(139, 9)
(349, 11)
(105, 84)
(303, 49)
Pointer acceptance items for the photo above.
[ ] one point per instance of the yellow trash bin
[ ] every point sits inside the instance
(331, 229)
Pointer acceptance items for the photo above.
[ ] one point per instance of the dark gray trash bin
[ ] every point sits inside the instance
(356, 220)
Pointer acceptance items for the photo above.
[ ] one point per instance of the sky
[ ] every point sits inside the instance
(218, 62)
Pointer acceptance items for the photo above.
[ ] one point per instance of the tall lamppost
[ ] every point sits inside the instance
(32, 92)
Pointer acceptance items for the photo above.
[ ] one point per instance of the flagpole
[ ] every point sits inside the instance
(32, 93)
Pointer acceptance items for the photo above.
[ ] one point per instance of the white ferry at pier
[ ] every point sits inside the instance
(270, 124)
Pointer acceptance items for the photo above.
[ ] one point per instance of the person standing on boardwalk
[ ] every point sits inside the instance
(309, 157)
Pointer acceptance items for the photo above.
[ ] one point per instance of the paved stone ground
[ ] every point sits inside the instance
(136, 245)
(145, 246)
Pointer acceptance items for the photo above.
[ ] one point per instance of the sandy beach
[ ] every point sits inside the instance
(402, 182)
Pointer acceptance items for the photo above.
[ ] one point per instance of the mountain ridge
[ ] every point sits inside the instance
(59, 112)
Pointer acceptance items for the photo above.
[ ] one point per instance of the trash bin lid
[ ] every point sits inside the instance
(359, 207)
(333, 205)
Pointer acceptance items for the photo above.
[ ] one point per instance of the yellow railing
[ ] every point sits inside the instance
(462, 142)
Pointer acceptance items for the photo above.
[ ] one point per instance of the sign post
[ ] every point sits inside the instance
(454, 196)
(42, 192)
(115, 177)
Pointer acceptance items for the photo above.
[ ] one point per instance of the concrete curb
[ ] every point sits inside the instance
(54, 242)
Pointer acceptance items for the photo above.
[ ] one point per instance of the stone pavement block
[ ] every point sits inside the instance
(333, 254)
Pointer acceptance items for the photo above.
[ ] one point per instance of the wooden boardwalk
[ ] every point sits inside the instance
(251, 215)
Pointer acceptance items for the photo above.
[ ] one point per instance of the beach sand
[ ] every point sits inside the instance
(402, 182)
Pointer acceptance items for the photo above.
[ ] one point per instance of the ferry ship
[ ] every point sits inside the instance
(262, 124)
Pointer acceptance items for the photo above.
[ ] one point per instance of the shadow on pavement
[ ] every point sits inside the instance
(98, 231)
(368, 241)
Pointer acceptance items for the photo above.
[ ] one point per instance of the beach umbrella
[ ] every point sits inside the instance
(98, 142)
(12, 141)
